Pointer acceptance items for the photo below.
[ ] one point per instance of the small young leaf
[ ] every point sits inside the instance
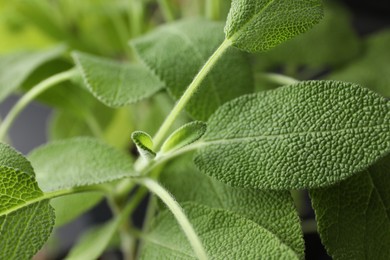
(258, 25)
(271, 210)
(93, 243)
(353, 216)
(225, 235)
(78, 162)
(16, 67)
(306, 135)
(177, 51)
(185, 135)
(372, 69)
(116, 84)
(26, 218)
(144, 144)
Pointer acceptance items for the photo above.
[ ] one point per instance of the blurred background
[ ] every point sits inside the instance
(354, 36)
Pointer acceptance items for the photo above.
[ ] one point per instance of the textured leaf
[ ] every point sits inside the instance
(329, 43)
(354, 216)
(271, 210)
(78, 162)
(116, 84)
(93, 243)
(176, 52)
(79, 203)
(144, 144)
(183, 136)
(372, 69)
(16, 67)
(225, 235)
(306, 135)
(258, 25)
(26, 218)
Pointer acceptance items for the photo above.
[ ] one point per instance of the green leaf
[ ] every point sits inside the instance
(329, 43)
(94, 242)
(79, 203)
(177, 51)
(78, 162)
(116, 84)
(258, 25)
(271, 210)
(354, 215)
(372, 68)
(144, 144)
(225, 235)
(16, 67)
(185, 135)
(26, 218)
(306, 135)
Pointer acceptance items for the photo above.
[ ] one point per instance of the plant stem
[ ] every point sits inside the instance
(309, 226)
(192, 88)
(213, 9)
(31, 95)
(136, 14)
(166, 9)
(277, 78)
(179, 214)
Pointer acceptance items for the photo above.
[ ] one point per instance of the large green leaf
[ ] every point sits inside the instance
(271, 210)
(372, 69)
(176, 52)
(354, 216)
(26, 218)
(16, 67)
(116, 84)
(78, 162)
(225, 235)
(306, 135)
(258, 25)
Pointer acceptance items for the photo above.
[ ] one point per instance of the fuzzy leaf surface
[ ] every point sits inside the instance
(271, 210)
(224, 235)
(258, 25)
(26, 218)
(305, 135)
(116, 84)
(16, 67)
(177, 51)
(354, 216)
(78, 162)
(144, 144)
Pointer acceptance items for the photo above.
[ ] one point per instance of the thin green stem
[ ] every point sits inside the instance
(309, 226)
(30, 96)
(213, 9)
(167, 10)
(179, 214)
(136, 13)
(192, 88)
(277, 78)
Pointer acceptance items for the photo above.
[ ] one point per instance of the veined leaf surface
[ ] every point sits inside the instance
(306, 135)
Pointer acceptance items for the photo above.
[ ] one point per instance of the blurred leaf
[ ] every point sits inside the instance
(78, 162)
(372, 69)
(16, 67)
(116, 84)
(177, 51)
